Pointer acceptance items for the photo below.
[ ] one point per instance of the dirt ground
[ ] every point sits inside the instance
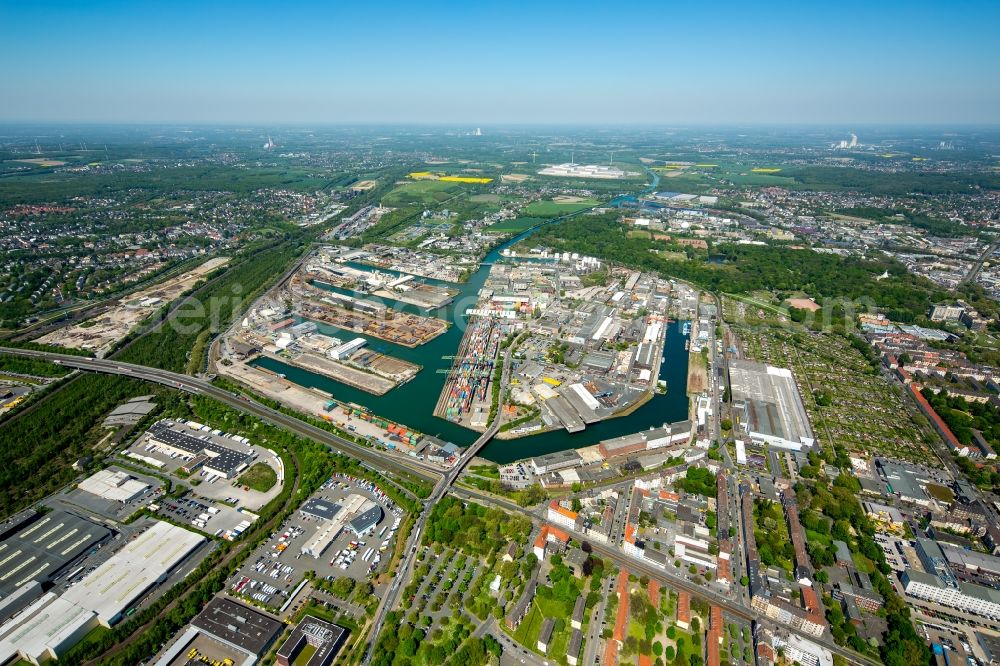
(697, 381)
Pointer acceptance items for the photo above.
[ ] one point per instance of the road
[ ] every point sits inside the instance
(440, 490)
(381, 460)
(377, 458)
(641, 567)
(592, 641)
(978, 266)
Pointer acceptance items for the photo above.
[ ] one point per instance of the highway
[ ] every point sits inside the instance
(382, 460)
(978, 266)
(378, 459)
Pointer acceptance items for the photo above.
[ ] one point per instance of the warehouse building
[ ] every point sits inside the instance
(52, 624)
(225, 632)
(44, 545)
(131, 412)
(113, 485)
(767, 402)
(127, 575)
(366, 520)
(238, 626)
(668, 435)
(220, 460)
(45, 630)
(551, 462)
(323, 638)
(330, 529)
(340, 352)
(319, 509)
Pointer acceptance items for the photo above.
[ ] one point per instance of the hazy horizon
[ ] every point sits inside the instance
(647, 63)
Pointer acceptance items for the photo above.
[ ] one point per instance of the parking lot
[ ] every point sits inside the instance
(272, 573)
(206, 516)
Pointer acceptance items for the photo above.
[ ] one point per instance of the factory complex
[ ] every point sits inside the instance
(201, 447)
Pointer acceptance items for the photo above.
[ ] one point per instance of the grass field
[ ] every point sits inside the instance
(421, 193)
(527, 632)
(553, 209)
(259, 477)
(516, 225)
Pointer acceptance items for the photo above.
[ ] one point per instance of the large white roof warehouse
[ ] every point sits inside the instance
(126, 575)
(53, 624)
(768, 403)
(112, 485)
(44, 630)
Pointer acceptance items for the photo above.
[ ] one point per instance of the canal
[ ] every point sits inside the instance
(412, 404)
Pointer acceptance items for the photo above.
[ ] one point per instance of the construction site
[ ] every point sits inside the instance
(100, 332)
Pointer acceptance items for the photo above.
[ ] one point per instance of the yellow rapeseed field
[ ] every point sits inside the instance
(465, 179)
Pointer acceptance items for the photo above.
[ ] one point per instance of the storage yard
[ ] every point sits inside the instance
(466, 396)
(101, 332)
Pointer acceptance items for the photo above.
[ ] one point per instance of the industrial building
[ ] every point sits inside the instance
(238, 626)
(224, 630)
(319, 509)
(366, 520)
(181, 439)
(131, 412)
(768, 405)
(654, 438)
(40, 546)
(355, 508)
(551, 462)
(340, 352)
(53, 623)
(905, 481)
(44, 630)
(324, 638)
(573, 170)
(142, 563)
(113, 485)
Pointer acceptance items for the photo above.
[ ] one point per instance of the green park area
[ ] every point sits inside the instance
(259, 477)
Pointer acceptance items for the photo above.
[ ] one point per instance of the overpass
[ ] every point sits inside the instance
(440, 490)
(378, 459)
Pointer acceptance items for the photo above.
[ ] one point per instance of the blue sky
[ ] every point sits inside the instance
(501, 62)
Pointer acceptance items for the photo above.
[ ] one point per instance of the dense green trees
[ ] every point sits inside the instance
(29, 366)
(39, 444)
(698, 481)
(186, 332)
(472, 528)
(746, 268)
(963, 417)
